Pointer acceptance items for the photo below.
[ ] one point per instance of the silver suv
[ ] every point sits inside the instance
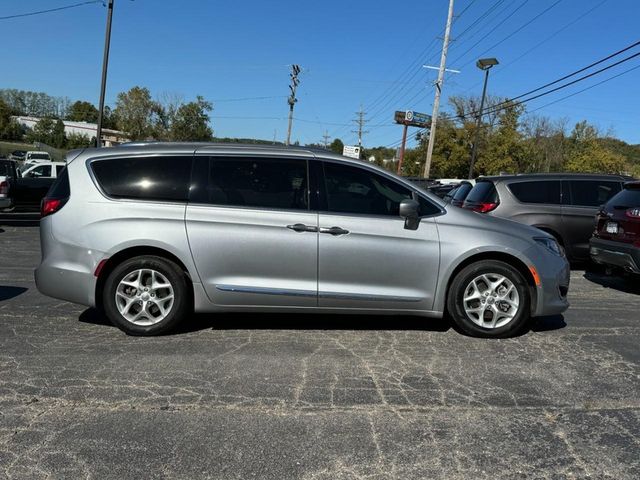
(152, 232)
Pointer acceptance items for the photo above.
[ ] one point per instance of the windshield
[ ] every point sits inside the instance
(39, 156)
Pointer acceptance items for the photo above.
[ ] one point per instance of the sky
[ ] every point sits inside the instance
(353, 54)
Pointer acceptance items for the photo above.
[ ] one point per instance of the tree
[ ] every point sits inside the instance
(9, 128)
(336, 146)
(135, 113)
(81, 111)
(78, 140)
(191, 121)
(58, 137)
(42, 131)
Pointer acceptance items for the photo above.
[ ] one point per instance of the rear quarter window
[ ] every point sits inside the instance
(592, 193)
(145, 178)
(483, 192)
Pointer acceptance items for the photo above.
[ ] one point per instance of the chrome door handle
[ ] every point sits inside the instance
(334, 230)
(301, 227)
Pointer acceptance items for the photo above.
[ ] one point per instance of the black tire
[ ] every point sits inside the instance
(178, 310)
(455, 305)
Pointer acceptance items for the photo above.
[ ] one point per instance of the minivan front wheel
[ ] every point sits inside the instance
(490, 298)
(146, 295)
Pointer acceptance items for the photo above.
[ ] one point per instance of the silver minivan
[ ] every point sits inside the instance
(151, 232)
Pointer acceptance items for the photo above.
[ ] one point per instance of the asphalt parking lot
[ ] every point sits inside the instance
(315, 397)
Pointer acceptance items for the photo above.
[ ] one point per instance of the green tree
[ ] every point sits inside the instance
(336, 146)
(81, 111)
(135, 113)
(42, 131)
(78, 140)
(9, 128)
(191, 121)
(58, 136)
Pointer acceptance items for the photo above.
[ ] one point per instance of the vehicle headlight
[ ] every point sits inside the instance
(550, 244)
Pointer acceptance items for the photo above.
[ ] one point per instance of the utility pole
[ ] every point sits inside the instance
(326, 138)
(105, 63)
(295, 71)
(439, 83)
(360, 121)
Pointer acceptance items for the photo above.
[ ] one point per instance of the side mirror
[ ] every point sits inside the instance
(410, 211)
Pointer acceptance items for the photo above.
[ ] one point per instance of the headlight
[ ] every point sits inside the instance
(550, 244)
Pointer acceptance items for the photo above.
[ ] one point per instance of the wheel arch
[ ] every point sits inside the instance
(137, 251)
(505, 257)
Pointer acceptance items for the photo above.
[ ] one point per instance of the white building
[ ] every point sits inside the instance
(110, 137)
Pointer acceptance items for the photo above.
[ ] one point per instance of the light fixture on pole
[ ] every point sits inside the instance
(483, 64)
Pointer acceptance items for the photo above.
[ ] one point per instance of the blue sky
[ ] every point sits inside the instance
(352, 52)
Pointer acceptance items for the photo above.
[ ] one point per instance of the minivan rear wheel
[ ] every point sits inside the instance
(490, 298)
(146, 295)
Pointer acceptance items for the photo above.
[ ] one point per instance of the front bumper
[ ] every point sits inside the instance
(615, 254)
(555, 276)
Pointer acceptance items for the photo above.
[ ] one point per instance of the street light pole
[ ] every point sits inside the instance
(105, 63)
(483, 64)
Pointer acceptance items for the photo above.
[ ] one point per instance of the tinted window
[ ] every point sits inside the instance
(258, 182)
(146, 178)
(462, 191)
(628, 198)
(483, 192)
(39, 156)
(6, 169)
(356, 190)
(592, 193)
(538, 191)
(59, 169)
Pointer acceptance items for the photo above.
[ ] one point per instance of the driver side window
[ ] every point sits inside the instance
(359, 191)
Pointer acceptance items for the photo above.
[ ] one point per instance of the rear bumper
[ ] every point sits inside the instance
(65, 270)
(615, 254)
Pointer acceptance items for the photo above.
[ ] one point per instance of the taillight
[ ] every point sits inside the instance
(484, 207)
(633, 212)
(51, 205)
(4, 188)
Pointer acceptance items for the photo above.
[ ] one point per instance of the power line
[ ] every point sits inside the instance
(510, 102)
(517, 30)
(504, 66)
(587, 88)
(39, 12)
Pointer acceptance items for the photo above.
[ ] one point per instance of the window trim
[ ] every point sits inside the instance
(559, 181)
(323, 200)
(211, 157)
(98, 186)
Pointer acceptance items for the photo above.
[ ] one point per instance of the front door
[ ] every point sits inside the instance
(253, 238)
(367, 259)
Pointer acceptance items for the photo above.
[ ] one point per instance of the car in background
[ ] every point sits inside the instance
(37, 157)
(616, 240)
(42, 169)
(8, 175)
(461, 192)
(17, 155)
(562, 204)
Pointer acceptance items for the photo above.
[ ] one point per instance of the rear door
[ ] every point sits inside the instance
(580, 208)
(367, 259)
(253, 237)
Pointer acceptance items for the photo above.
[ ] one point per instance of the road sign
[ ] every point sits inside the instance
(412, 119)
(352, 151)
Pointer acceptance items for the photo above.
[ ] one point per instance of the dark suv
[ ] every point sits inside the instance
(562, 204)
(616, 241)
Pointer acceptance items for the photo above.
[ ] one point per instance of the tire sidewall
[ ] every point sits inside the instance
(173, 274)
(456, 293)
